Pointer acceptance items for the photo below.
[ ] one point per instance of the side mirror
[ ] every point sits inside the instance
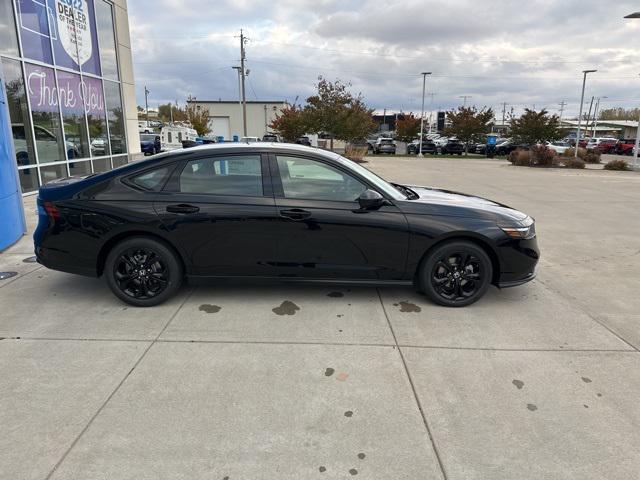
(371, 200)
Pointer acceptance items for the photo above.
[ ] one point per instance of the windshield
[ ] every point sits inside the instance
(148, 138)
(380, 183)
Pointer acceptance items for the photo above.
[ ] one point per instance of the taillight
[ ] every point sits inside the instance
(52, 210)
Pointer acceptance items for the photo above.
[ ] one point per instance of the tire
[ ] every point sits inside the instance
(445, 283)
(136, 280)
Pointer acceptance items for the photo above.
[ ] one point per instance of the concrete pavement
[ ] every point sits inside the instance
(290, 382)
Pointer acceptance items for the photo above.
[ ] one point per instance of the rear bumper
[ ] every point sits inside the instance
(64, 262)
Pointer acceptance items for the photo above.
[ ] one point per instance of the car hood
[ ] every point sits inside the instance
(446, 202)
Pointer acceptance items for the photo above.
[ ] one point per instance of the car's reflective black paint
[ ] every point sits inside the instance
(270, 236)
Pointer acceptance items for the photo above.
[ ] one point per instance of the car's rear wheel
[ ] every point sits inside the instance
(143, 272)
(456, 274)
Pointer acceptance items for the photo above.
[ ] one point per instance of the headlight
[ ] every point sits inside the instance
(526, 230)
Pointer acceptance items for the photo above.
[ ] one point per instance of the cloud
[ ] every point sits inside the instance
(522, 53)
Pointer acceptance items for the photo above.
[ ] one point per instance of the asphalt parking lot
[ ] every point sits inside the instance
(298, 382)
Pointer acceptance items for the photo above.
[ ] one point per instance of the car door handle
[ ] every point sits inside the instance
(182, 208)
(295, 214)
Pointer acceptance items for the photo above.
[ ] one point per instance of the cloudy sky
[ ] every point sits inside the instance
(525, 53)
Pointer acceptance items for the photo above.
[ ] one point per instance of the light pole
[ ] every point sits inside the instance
(584, 81)
(635, 150)
(424, 83)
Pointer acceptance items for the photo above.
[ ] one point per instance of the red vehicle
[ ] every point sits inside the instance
(607, 146)
(625, 147)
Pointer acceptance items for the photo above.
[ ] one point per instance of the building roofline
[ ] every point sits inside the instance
(233, 102)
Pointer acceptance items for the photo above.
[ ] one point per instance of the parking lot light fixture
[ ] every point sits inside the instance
(633, 15)
(584, 81)
(424, 84)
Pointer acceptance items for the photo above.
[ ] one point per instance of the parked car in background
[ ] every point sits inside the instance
(625, 146)
(250, 139)
(99, 146)
(597, 142)
(145, 127)
(428, 146)
(384, 145)
(303, 141)
(271, 137)
(558, 146)
(452, 147)
(150, 143)
(278, 212)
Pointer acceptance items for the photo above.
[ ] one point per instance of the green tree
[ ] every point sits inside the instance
(407, 127)
(198, 118)
(468, 124)
(334, 110)
(291, 123)
(165, 111)
(535, 127)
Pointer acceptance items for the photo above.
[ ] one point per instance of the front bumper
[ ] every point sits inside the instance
(518, 259)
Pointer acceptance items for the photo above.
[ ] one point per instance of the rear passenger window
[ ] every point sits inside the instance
(233, 175)
(152, 180)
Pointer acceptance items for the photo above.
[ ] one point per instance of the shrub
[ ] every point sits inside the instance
(520, 158)
(590, 156)
(573, 163)
(542, 156)
(356, 152)
(570, 152)
(617, 165)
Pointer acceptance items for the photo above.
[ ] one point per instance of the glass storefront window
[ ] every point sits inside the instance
(80, 168)
(29, 179)
(33, 20)
(96, 116)
(19, 113)
(53, 172)
(43, 96)
(66, 106)
(120, 160)
(8, 37)
(116, 117)
(101, 165)
(72, 105)
(106, 38)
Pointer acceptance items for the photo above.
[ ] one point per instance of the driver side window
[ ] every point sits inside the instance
(311, 180)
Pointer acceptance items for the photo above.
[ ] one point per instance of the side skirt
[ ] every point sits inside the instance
(203, 280)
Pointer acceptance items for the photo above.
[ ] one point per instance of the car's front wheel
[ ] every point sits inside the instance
(456, 274)
(143, 272)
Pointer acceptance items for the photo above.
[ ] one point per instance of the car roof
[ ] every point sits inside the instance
(253, 147)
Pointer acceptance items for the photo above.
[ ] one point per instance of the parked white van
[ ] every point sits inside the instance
(171, 137)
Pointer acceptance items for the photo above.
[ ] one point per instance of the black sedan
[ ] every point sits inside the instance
(280, 212)
(427, 147)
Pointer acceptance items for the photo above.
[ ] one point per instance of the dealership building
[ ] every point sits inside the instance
(67, 94)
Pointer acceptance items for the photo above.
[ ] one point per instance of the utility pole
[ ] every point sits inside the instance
(595, 116)
(146, 103)
(464, 99)
(171, 112)
(504, 113)
(243, 74)
(589, 115)
(584, 81)
(562, 105)
(424, 83)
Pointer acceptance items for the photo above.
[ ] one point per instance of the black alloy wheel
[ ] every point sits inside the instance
(456, 274)
(143, 272)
